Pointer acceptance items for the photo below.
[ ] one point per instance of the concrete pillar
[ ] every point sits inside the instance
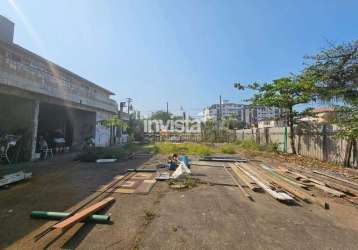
(35, 122)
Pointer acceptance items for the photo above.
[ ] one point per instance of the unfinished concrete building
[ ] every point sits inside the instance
(40, 98)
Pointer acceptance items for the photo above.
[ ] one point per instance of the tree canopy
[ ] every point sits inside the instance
(334, 71)
(285, 93)
(161, 115)
(331, 76)
(114, 121)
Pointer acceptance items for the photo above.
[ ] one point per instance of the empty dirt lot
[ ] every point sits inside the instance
(203, 217)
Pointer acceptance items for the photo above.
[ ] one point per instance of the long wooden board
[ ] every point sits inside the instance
(238, 184)
(355, 185)
(70, 221)
(325, 182)
(251, 184)
(290, 187)
(277, 195)
(330, 190)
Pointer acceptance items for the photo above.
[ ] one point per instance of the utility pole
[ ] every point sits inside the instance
(219, 117)
(220, 108)
(184, 118)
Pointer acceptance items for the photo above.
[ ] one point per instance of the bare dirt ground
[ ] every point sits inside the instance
(204, 217)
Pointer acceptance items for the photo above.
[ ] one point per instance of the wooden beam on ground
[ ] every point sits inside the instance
(337, 179)
(77, 217)
(330, 184)
(278, 196)
(239, 185)
(284, 177)
(355, 202)
(242, 176)
(342, 188)
(296, 192)
(330, 190)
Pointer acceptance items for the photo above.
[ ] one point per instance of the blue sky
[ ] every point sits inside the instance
(184, 52)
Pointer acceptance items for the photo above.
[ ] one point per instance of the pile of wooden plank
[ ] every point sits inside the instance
(292, 185)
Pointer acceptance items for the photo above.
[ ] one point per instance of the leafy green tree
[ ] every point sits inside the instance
(136, 129)
(334, 71)
(283, 93)
(209, 131)
(233, 123)
(161, 115)
(114, 121)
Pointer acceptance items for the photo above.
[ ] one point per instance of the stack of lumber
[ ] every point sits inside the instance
(293, 185)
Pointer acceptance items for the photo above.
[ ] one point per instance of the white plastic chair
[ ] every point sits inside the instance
(3, 152)
(47, 151)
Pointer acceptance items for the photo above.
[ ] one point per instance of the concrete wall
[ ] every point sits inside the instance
(24, 70)
(17, 118)
(15, 114)
(322, 144)
(29, 76)
(6, 30)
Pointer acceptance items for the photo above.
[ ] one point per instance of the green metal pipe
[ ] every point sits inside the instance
(96, 218)
(141, 170)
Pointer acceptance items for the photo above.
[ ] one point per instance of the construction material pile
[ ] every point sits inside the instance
(291, 184)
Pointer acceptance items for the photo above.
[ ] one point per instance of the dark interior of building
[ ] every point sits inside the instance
(62, 128)
(65, 127)
(55, 122)
(16, 116)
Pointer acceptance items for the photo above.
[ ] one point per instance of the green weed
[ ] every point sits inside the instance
(228, 149)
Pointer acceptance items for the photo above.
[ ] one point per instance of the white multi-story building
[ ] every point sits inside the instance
(249, 114)
(227, 110)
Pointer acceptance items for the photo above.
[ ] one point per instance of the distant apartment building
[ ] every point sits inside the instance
(227, 110)
(249, 114)
(271, 123)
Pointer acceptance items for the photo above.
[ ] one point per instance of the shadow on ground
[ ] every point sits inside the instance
(55, 186)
